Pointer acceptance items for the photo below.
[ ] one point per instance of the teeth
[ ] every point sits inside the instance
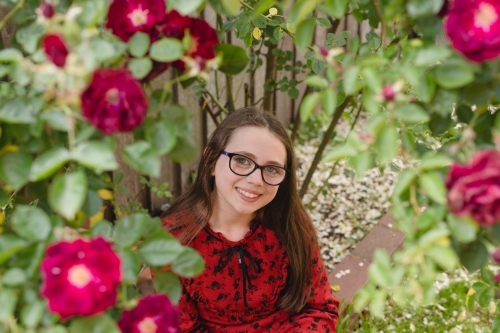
(247, 194)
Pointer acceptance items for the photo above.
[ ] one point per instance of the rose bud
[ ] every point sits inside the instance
(55, 48)
(46, 10)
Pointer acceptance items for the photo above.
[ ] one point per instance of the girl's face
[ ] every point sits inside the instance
(240, 196)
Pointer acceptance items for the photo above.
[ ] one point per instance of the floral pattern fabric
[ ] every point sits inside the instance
(240, 286)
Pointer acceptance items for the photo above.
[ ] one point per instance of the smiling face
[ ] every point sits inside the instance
(241, 196)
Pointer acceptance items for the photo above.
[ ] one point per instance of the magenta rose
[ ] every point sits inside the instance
(126, 17)
(46, 10)
(80, 277)
(473, 27)
(114, 101)
(55, 48)
(203, 36)
(474, 189)
(153, 314)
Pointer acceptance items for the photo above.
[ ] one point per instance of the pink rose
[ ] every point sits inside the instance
(114, 101)
(80, 277)
(474, 189)
(54, 47)
(153, 313)
(473, 27)
(126, 17)
(46, 10)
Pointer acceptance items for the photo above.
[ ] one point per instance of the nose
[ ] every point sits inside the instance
(256, 177)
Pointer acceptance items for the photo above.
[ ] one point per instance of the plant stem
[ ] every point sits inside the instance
(9, 15)
(230, 97)
(216, 101)
(380, 14)
(326, 138)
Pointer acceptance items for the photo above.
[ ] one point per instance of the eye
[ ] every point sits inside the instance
(272, 169)
(241, 160)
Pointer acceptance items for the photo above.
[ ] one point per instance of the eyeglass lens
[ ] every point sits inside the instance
(244, 166)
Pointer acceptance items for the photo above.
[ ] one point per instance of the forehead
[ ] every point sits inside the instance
(260, 142)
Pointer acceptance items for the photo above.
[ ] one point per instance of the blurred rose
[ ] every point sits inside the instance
(114, 101)
(203, 36)
(54, 47)
(46, 10)
(474, 189)
(80, 277)
(473, 27)
(126, 17)
(153, 313)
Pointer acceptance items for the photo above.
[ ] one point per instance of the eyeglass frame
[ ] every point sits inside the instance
(257, 166)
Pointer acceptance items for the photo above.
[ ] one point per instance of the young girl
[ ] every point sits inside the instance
(244, 215)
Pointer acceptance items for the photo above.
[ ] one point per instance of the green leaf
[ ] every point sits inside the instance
(496, 325)
(445, 257)
(351, 81)
(304, 34)
(161, 134)
(129, 263)
(68, 193)
(301, 9)
(234, 59)
(143, 158)
(339, 152)
(92, 204)
(170, 284)
(32, 312)
(102, 228)
(432, 54)
(433, 186)
(48, 162)
(232, 6)
(463, 229)
(8, 299)
(260, 22)
(484, 293)
(10, 244)
(405, 179)
(10, 55)
(138, 45)
(16, 111)
(184, 7)
(102, 50)
(308, 105)
(473, 255)
(434, 161)
(160, 250)
(361, 163)
(166, 50)
(329, 100)
(377, 305)
(29, 36)
(188, 263)
(55, 119)
(15, 168)
(101, 323)
(422, 8)
(95, 155)
(324, 22)
(335, 8)
(31, 223)
(386, 144)
(316, 81)
(184, 150)
(372, 78)
(14, 277)
(140, 67)
(131, 228)
(412, 114)
(454, 74)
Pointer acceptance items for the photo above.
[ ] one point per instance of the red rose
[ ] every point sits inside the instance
(46, 10)
(54, 47)
(473, 27)
(474, 189)
(153, 313)
(114, 101)
(80, 277)
(126, 17)
(203, 36)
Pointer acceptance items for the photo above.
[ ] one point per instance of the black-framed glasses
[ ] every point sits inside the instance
(244, 166)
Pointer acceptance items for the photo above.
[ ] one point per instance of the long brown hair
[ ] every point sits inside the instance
(285, 214)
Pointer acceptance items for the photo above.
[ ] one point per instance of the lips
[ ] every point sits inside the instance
(247, 194)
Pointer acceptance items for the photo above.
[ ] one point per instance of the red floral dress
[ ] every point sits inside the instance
(240, 286)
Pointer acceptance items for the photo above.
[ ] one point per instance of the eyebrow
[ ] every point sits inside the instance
(255, 157)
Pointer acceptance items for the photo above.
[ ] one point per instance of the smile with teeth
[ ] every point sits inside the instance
(247, 194)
